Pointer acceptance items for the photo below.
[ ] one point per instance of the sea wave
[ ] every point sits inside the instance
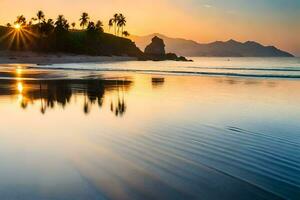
(187, 72)
(286, 69)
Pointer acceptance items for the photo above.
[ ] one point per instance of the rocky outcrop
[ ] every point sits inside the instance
(156, 52)
(157, 47)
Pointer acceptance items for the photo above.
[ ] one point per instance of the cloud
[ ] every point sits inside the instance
(208, 6)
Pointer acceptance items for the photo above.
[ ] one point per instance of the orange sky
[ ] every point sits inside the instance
(270, 22)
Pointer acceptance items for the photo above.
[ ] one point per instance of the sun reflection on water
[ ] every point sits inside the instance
(20, 87)
(19, 71)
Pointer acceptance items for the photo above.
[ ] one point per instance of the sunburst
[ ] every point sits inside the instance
(20, 36)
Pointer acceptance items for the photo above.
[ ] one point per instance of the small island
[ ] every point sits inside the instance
(44, 39)
(156, 51)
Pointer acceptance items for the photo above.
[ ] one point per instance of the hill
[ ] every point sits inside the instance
(229, 48)
(67, 41)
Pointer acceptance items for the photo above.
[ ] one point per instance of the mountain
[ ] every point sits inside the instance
(229, 48)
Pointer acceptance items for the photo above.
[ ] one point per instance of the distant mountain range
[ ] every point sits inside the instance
(229, 48)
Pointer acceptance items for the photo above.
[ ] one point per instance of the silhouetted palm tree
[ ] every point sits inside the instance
(99, 26)
(125, 33)
(121, 22)
(91, 26)
(115, 20)
(110, 23)
(61, 23)
(73, 25)
(21, 20)
(47, 26)
(33, 19)
(40, 16)
(8, 25)
(84, 20)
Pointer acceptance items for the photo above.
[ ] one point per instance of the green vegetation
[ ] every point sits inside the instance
(47, 35)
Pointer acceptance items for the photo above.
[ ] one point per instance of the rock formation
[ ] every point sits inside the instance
(157, 47)
(156, 52)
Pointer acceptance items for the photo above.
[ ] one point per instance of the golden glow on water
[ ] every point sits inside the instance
(20, 98)
(19, 71)
(20, 87)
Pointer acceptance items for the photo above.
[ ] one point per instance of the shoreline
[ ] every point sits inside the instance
(7, 57)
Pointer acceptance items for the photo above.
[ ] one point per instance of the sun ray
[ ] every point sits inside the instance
(7, 35)
(18, 41)
(11, 41)
(28, 37)
(31, 33)
(23, 40)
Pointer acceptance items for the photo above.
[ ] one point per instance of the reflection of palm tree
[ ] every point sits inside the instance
(120, 107)
(43, 107)
(86, 107)
(24, 104)
(111, 106)
(50, 94)
(84, 19)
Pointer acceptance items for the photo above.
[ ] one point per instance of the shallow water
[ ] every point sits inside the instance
(234, 67)
(121, 135)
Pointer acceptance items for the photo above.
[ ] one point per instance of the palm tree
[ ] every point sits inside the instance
(115, 21)
(125, 33)
(99, 26)
(61, 23)
(110, 23)
(8, 25)
(121, 22)
(33, 19)
(91, 26)
(47, 26)
(73, 25)
(84, 19)
(40, 16)
(21, 20)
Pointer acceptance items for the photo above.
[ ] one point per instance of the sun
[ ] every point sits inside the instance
(17, 26)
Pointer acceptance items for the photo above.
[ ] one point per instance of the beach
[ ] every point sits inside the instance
(107, 131)
(23, 57)
(149, 100)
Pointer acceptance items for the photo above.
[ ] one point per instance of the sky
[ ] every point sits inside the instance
(270, 22)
